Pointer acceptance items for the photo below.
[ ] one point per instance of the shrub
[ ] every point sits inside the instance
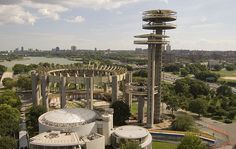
(217, 117)
(228, 121)
(183, 123)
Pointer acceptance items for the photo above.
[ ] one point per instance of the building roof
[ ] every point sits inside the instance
(131, 132)
(58, 138)
(55, 138)
(68, 117)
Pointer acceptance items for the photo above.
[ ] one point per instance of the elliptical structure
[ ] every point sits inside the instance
(155, 20)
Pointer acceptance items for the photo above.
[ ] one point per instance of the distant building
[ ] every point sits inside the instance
(212, 63)
(56, 49)
(73, 48)
(22, 48)
(95, 49)
(168, 57)
(168, 47)
(138, 50)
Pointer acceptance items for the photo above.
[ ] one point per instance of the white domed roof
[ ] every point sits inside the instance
(131, 132)
(65, 117)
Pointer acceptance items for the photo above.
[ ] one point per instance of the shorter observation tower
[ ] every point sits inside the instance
(156, 21)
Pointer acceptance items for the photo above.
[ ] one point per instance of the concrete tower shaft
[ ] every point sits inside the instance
(155, 20)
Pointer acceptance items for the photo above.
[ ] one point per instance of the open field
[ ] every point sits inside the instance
(163, 145)
(228, 76)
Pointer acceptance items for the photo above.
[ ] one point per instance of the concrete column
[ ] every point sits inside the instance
(35, 89)
(89, 89)
(115, 88)
(105, 87)
(158, 70)
(44, 92)
(140, 109)
(63, 91)
(151, 84)
(128, 96)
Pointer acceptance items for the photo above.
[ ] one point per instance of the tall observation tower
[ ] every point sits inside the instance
(156, 21)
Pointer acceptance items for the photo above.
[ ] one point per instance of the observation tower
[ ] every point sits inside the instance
(156, 21)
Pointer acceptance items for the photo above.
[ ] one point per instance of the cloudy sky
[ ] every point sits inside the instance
(45, 24)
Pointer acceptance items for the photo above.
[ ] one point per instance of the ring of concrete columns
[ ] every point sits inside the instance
(88, 76)
(140, 91)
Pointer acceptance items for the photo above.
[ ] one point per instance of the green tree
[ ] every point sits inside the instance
(184, 72)
(19, 68)
(32, 119)
(11, 98)
(217, 67)
(198, 88)
(130, 145)
(121, 112)
(181, 86)
(172, 68)
(224, 90)
(9, 83)
(9, 120)
(207, 76)
(183, 123)
(229, 68)
(24, 82)
(198, 106)
(7, 142)
(191, 142)
(2, 69)
(172, 103)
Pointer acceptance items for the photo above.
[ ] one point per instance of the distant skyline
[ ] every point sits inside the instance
(45, 24)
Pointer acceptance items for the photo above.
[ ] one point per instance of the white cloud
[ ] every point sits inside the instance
(16, 15)
(51, 11)
(77, 19)
(94, 4)
(19, 11)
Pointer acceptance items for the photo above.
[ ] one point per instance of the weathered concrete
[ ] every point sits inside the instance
(115, 89)
(140, 109)
(158, 70)
(151, 85)
(35, 89)
(89, 88)
(44, 92)
(63, 91)
(128, 96)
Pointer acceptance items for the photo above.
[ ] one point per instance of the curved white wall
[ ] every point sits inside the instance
(81, 130)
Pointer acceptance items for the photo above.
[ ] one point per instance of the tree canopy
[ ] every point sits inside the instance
(24, 82)
(183, 123)
(121, 112)
(191, 142)
(130, 145)
(224, 90)
(198, 106)
(9, 119)
(7, 142)
(32, 119)
(8, 83)
(11, 98)
(2, 69)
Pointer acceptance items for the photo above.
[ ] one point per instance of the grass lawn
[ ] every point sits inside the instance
(225, 73)
(163, 145)
(134, 108)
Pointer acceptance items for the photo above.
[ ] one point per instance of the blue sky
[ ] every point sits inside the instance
(45, 24)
